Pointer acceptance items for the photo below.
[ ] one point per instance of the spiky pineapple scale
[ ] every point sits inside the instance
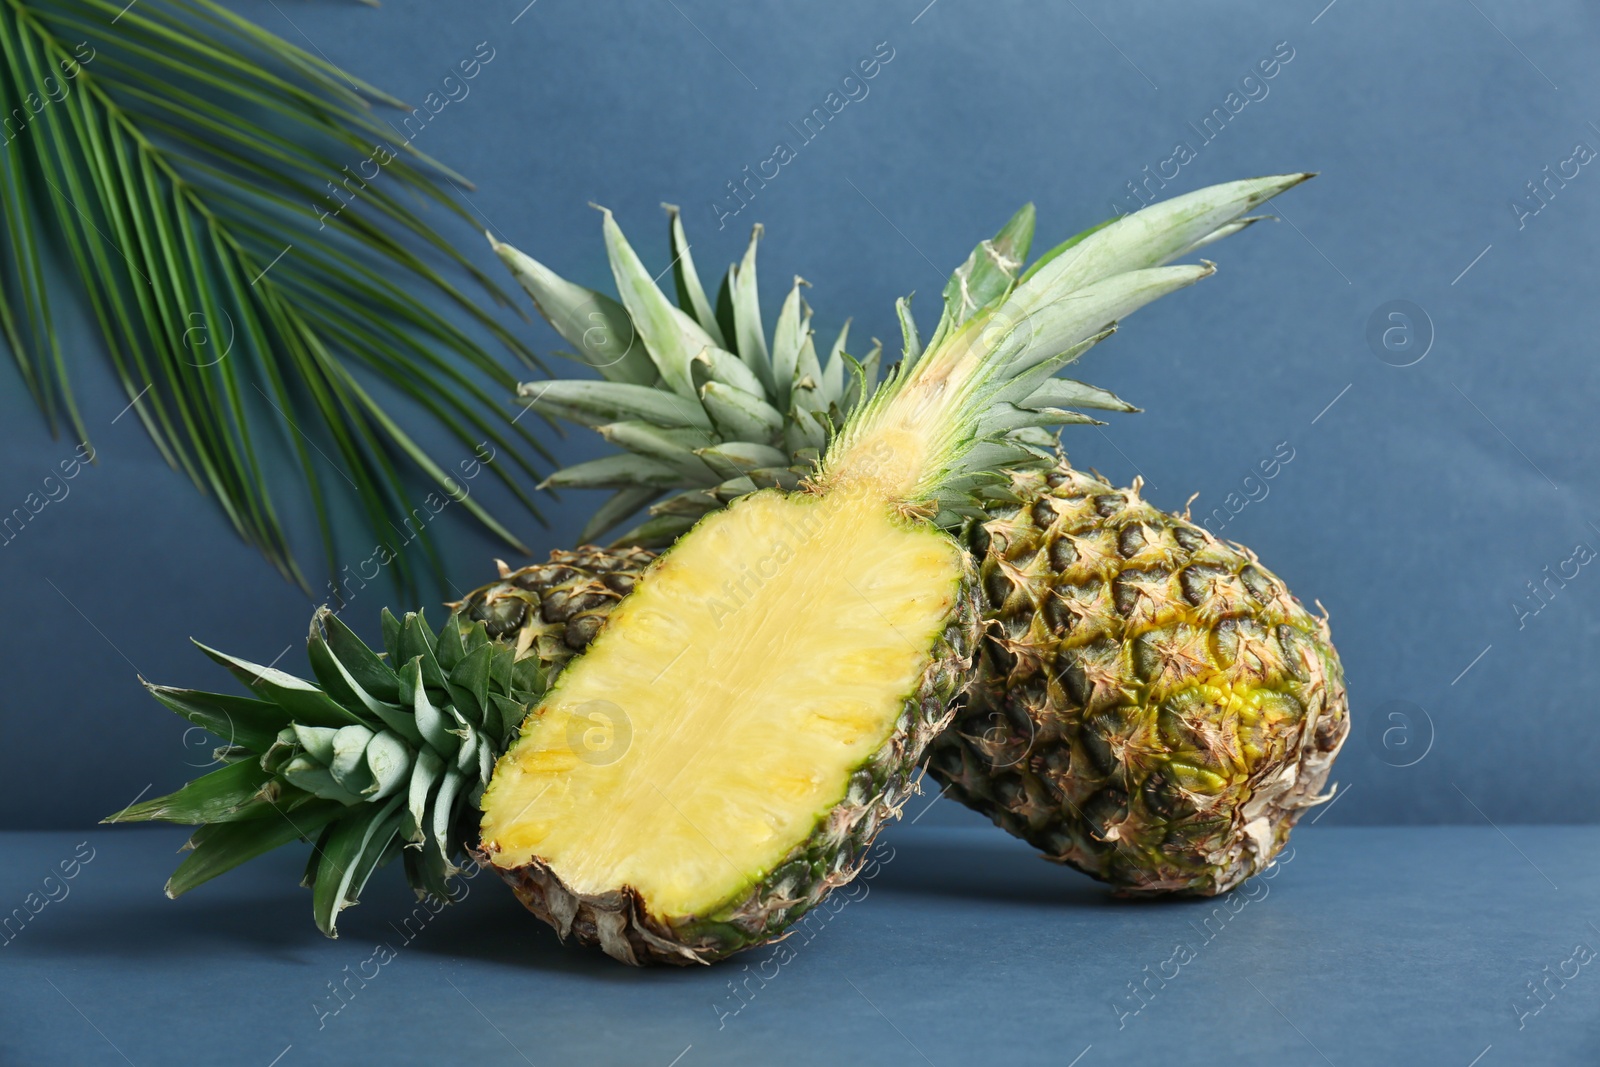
(1153, 706)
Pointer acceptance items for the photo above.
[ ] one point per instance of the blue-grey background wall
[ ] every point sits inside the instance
(1419, 501)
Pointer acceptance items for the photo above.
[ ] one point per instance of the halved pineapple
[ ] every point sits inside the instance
(737, 731)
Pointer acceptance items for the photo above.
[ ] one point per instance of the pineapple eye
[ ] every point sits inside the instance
(1063, 554)
(1131, 541)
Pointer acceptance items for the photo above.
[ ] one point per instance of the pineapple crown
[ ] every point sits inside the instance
(702, 404)
(698, 398)
(383, 757)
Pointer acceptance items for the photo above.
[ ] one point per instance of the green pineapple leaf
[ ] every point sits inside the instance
(615, 472)
(593, 323)
(691, 294)
(669, 336)
(228, 794)
(253, 724)
(745, 310)
(594, 403)
(615, 511)
(988, 272)
(1071, 242)
(220, 847)
(369, 779)
(350, 851)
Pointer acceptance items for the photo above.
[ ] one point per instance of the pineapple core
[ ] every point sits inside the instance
(718, 718)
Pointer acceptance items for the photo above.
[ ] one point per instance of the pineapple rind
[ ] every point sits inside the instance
(618, 921)
(554, 609)
(1154, 708)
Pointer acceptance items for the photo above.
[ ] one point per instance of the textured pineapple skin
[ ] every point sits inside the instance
(1152, 705)
(617, 922)
(554, 609)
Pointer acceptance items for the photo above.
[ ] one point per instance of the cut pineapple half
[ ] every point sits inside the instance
(729, 705)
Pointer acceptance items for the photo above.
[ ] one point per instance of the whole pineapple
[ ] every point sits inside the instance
(1153, 707)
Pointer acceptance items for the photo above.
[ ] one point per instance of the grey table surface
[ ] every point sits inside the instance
(1444, 945)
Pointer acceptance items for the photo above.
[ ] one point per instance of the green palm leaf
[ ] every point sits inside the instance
(210, 187)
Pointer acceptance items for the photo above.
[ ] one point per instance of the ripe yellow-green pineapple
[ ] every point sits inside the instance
(1153, 706)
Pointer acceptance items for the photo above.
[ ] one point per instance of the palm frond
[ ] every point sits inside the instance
(241, 226)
